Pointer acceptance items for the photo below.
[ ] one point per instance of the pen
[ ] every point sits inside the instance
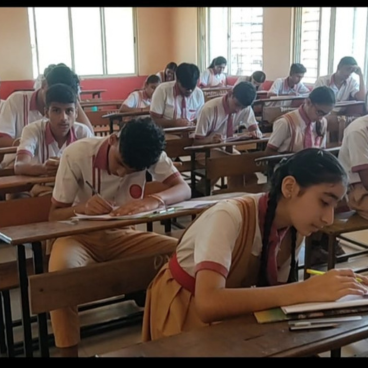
(314, 272)
(94, 191)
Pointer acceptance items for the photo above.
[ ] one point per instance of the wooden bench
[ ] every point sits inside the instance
(18, 212)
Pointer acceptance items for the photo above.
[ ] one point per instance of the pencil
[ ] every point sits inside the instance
(315, 272)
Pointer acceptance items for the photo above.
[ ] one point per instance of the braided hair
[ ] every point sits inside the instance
(311, 166)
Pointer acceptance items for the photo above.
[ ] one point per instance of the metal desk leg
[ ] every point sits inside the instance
(111, 123)
(8, 323)
(2, 328)
(42, 317)
(192, 173)
(331, 252)
(207, 181)
(336, 353)
(23, 285)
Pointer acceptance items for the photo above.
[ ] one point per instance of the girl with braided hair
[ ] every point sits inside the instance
(250, 241)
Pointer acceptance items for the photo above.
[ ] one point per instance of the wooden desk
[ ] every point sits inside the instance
(244, 337)
(115, 103)
(206, 148)
(93, 92)
(119, 116)
(35, 233)
(18, 183)
(7, 150)
(279, 99)
(183, 131)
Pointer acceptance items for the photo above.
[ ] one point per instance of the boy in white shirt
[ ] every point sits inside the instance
(43, 142)
(141, 100)
(116, 168)
(177, 103)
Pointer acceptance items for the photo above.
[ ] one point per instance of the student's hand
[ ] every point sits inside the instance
(255, 134)
(51, 167)
(142, 205)
(183, 123)
(217, 138)
(96, 205)
(334, 285)
(358, 71)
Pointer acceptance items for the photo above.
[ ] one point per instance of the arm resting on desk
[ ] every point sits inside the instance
(364, 178)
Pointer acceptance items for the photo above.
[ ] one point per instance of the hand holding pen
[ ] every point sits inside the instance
(97, 205)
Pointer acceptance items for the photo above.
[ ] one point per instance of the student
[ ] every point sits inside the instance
(40, 79)
(289, 86)
(116, 168)
(168, 74)
(342, 82)
(220, 118)
(354, 157)
(304, 127)
(141, 100)
(1, 105)
(43, 142)
(23, 108)
(214, 75)
(177, 103)
(257, 79)
(253, 240)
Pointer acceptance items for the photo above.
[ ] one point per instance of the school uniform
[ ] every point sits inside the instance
(38, 82)
(235, 254)
(346, 92)
(87, 160)
(1, 104)
(209, 79)
(294, 132)
(281, 87)
(137, 100)
(167, 102)
(19, 110)
(162, 76)
(353, 156)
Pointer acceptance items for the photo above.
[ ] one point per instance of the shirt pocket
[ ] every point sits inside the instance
(169, 110)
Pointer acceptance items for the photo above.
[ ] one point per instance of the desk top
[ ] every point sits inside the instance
(91, 91)
(21, 234)
(13, 181)
(6, 150)
(346, 222)
(244, 337)
(115, 115)
(101, 103)
(279, 99)
(207, 147)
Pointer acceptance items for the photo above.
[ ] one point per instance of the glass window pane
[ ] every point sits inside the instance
(87, 41)
(217, 33)
(33, 43)
(119, 29)
(53, 42)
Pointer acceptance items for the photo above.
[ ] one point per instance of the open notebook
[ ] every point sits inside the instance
(345, 302)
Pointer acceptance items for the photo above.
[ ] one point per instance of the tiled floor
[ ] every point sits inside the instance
(114, 340)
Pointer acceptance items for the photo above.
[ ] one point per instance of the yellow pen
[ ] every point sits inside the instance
(315, 272)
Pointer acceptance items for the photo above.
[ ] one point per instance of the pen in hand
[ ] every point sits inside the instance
(94, 191)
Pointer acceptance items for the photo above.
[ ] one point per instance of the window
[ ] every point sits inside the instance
(236, 34)
(324, 35)
(92, 41)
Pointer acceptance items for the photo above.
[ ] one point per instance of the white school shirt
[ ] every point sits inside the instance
(1, 104)
(347, 91)
(210, 79)
(38, 142)
(212, 250)
(137, 99)
(168, 103)
(19, 110)
(289, 131)
(38, 82)
(243, 78)
(87, 160)
(281, 87)
(215, 117)
(353, 153)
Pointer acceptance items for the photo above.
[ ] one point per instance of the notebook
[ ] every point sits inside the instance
(345, 302)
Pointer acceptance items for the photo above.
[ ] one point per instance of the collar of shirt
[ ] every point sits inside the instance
(49, 137)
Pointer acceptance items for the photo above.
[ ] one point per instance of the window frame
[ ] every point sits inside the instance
(103, 45)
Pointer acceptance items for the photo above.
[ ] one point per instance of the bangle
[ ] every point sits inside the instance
(158, 198)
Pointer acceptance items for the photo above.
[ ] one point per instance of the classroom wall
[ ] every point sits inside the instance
(175, 28)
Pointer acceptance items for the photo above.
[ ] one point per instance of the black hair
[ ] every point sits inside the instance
(322, 96)
(153, 78)
(347, 60)
(218, 61)
(188, 75)
(259, 76)
(172, 66)
(60, 93)
(141, 143)
(297, 68)
(311, 166)
(245, 93)
(63, 74)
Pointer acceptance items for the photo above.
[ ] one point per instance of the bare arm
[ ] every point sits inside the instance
(364, 178)
(58, 213)
(169, 123)
(23, 166)
(271, 151)
(360, 95)
(6, 141)
(125, 108)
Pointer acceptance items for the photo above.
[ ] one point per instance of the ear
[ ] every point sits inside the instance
(113, 139)
(76, 110)
(308, 102)
(46, 112)
(289, 187)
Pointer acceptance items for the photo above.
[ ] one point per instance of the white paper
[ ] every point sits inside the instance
(345, 302)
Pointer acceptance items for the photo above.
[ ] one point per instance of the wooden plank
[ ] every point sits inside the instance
(72, 287)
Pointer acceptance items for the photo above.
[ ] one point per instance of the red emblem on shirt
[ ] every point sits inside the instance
(135, 191)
